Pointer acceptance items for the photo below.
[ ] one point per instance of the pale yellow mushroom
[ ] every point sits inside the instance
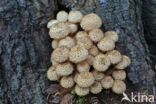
(75, 16)
(119, 87)
(81, 91)
(67, 82)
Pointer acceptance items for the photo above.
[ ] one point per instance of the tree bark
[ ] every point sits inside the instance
(25, 46)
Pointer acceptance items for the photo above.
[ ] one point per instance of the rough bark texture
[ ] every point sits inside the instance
(25, 46)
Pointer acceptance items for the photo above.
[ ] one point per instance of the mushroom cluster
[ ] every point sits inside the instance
(85, 60)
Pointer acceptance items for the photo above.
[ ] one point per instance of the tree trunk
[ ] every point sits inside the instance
(25, 46)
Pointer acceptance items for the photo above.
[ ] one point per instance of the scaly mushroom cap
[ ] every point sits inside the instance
(78, 54)
(85, 41)
(101, 62)
(81, 34)
(75, 16)
(85, 79)
(93, 51)
(54, 44)
(119, 74)
(60, 54)
(67, 82)
(81, 91)
(126, 61)
(106, 44)
(68, 42)
(96, 88)
(114, 56)
(119, 87)
(107, 82)
(90, 59)
(59, 30)
(62, 16)
(73, 27)
(98, 75)
(112, 35)
(51, 23)
(91, 21)
(51, 74)
(83, 66)
(75, 77)
(64, 69)
(96, 35)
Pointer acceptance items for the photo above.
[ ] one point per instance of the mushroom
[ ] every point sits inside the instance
(126, 61)
(96, 35)
(52, 75)
(90, 59)
(85, 41)
(98, 75)
(59, 30)
(106, 44)
(112, 35)
(114, 56)
(53, 62)
(101, 62)
(91, 21)
(96, 88)
(75, 77)
(67, 82)
(81, 34)
(73, 27)
(93, 51)
(60, 54)
(119, 74)
(83, 66)
(81, 91)
(119, 87)
(107, 82)
(54, 44)
(52, 22)
(68, 42)
(78, 54)
(75, 16)
(85, 79)
(64, 69)
(62, 16)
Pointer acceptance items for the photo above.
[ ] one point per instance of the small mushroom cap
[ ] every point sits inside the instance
(59, 30)
(75, 77)
(85, 79)
(96, 88)
(73, 27)
(78, 54)
(67, 82)
(54, 44)
(62, 16)
(60, 54)
(112, 35)
(64, 69)
(101, 62)
(126, 61)
(81, 91)
(107, 82)
(119, 74)
(85, 41)
(53, 62)
(90, 59)
(98, 75)
(51, 74)
(81, 34)
(106, 44)
(96, 35)
(114, 56)
(83, 66)
(75, 16)
(51, 23)
(93, 51)
(68, 42)
(91, 21)
(119, 87)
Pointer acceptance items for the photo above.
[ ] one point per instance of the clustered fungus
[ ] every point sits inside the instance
(85, 60)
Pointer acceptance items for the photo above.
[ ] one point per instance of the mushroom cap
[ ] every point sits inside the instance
(107, 82)
(96, 35)
(81, 91)
(119, 86)
(90, 59)
(73, 27)
(52, 22)
(112, 35)
(85, 79)
(114, 56)
(51, 74)
(96, 88)
(93, 51)
(68, 42)
(91, 21)
(53, 62)
(98, 75)
(75, 77)
(75, 16)
(106, 44)
(119, 74)
(59, 30)
(54, 44)
(85, 41)
(83, 66)
(67, 82)
(101, 62)
(64, 69)
(81, 34)
(78, 54)
(126, 61)
(62, 16)
(60, 54)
